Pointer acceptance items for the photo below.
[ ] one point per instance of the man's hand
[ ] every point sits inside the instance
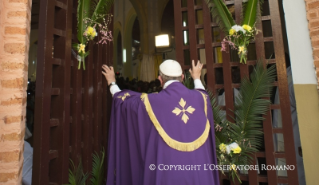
(109, 74)
(196, 70)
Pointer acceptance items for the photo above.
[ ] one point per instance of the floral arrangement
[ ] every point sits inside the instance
(93, 18)
(239, 138)
(237, 36)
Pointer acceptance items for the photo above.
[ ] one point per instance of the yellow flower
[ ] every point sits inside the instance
(91, 32)
(236, 150)
(232, 31)
(233, 167)
(241, 49)
(81, 48)
(247, 27)
(222, 147)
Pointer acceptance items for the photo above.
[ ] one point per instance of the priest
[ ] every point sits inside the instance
(164, 138)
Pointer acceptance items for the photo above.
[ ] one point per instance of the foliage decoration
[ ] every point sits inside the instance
(237, 36)
(238, 139)
(77, 176)
(93, 18)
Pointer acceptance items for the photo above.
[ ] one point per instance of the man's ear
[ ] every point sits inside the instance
(161, 80)
(183, 77)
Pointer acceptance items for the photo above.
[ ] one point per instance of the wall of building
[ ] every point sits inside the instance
(312, 8)
(14, 44)
(304, 50)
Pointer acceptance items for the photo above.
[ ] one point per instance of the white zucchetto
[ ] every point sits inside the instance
(171, 68)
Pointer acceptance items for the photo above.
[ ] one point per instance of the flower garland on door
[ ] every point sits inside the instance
(92, 18)
(237, 36)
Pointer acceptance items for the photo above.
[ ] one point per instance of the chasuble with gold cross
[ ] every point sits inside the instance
(162, 138)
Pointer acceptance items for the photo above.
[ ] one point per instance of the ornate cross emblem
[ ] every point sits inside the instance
(181, 109)
(124, 96)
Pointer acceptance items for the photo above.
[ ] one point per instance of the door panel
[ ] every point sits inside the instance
(198, 37)
(72, 106)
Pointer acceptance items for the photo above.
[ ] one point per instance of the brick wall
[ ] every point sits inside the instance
(14, 47)
(313, 18)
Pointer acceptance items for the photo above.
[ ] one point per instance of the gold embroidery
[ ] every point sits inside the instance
(180, 146)
(124, 96)
(182, 110)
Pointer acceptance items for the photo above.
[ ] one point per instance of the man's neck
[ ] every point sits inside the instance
(169, 82)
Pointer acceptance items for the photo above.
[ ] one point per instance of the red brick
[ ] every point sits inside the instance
(12, 119)
(312, 15)
(10, 156)
(12, 66)
(17, 14)
(5, 177)
(16, 83)
(314, 24)
(11, 137)
(15, 101)
(316, 53)
(314, 33)
(15, 48)
(313, 5)
(18, 1)
(15, 31)
(315, 43)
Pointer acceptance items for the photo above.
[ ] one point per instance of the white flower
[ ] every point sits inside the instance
(238, 28)
(231, 146)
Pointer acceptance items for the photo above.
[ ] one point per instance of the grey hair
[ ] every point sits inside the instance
(167, 78)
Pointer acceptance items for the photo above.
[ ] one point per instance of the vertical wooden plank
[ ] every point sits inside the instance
(178, 32)
(97, 102)
(208, 48)
(107, 58)
(67, 84)
(87, 112)
(283, 91)
(59, 135)
(76, 102)
(192, 30)
(43, 95)
(229, 95)
(267, 125)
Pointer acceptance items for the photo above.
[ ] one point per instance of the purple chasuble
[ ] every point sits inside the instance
(164, 138)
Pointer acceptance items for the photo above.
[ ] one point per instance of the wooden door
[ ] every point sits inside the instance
(199, 38)
(71, 105)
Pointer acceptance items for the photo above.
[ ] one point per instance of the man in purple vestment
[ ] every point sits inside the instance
(164, 138)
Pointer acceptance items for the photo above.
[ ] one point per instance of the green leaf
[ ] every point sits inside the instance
(82, 14)
(97, 168)
(250, 12)
(76, 176)
(188, 81)
(221, 14)
(102, 7)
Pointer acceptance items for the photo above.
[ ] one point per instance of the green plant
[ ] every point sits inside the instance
(188, 80)
(91, 16)
(97, 168)
(237, 139)
(246, 131)
(77, 176)
(237, 36)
